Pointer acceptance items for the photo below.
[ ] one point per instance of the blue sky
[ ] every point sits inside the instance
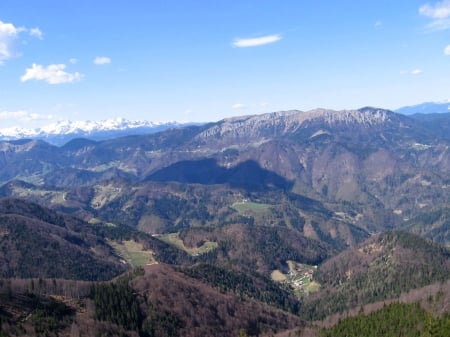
(203, 60)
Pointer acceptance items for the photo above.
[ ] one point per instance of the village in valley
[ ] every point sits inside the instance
(299, 277)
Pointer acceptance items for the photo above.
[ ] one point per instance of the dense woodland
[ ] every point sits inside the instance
(244, 286)
(396, 319)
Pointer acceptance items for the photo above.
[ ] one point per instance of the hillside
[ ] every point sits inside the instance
(206, 311)
(380, 268)
(167, 207)
(433, 224)
(155, 301)
(257, 249)
(38, 242)
(392, 320)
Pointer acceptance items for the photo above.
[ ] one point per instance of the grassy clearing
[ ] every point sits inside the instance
(95, 221)
(133, 253)
(54, 196)
(278, 276)
(312, 287)
(248, 206)
(174, 240)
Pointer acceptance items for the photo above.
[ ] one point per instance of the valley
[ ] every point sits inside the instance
(257, 224)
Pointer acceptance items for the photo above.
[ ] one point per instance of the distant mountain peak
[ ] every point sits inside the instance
(426, 108)
(65, 130)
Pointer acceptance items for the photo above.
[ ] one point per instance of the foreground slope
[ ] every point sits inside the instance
(38, 242)
(154, 301)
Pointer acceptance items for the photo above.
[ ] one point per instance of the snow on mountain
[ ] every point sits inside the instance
(68, 127)
(62, 131)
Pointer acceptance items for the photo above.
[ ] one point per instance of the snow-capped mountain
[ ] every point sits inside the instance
(63, 131)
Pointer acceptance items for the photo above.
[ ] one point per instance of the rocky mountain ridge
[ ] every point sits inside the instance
(276, 124)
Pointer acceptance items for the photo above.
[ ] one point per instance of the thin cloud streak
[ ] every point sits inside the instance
(101, 60)
(255, 42)
(412, 72)
(23, 116)
(238, 106)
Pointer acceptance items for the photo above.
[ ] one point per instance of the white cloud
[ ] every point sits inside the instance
(73, 60)
(53, 74)
(9, 36)
(412, 72)
(439, 13)
(447, 50)
(23, 116)
(37, 33)
(100, 60)
(258, 41)
(238, 106)
(378, 24)
(440, 10)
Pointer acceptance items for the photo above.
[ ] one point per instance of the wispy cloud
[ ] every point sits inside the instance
(447, 50)
(412, 72)
(23, 116)
(238, 106)
(258, 41)
(73, 60)
(37, 33)
(52, 74)
(9, 37)
(101, 60)
(378, 24)
(439, 13)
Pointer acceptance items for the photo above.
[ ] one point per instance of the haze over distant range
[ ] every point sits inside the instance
(203, 61)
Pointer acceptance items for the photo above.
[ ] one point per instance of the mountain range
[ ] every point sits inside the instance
(296, 215)
(62, 131)
(65, 130)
